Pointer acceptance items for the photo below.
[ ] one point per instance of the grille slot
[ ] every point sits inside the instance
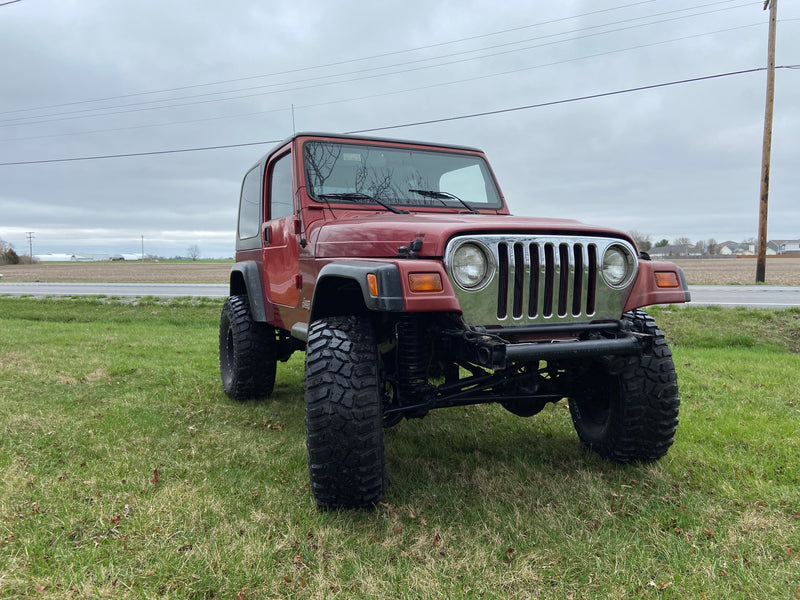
(545, 279)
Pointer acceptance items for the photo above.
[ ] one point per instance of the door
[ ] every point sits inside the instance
(279, 235)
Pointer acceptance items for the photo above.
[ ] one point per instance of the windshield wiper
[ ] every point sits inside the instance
(445, 196)
(360, 196)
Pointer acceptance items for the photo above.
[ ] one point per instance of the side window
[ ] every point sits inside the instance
(250, 206)
(281, 190)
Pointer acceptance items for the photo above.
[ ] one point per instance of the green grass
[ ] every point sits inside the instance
(125, 472)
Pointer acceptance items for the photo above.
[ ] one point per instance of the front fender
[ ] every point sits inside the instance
(658, 283)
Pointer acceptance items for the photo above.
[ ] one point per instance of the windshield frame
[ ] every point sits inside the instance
(359, 150)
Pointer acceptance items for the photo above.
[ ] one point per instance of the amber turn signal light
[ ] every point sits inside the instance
(667, 279)
(372, 282)
(425, 282)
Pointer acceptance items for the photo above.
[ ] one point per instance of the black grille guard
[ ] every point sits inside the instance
(489, 350)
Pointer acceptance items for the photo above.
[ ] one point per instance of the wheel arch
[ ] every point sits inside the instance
(245, 280)
(343, 289)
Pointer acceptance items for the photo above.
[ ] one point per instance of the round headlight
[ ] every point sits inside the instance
(470, 266)
(618, 266)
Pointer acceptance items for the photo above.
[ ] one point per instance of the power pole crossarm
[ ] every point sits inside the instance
(766, 149)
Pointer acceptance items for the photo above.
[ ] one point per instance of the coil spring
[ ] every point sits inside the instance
(412, 358)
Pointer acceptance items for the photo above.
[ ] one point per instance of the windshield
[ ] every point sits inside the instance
(365, 174)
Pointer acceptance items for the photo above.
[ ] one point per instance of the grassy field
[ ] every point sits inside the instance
(126, 473)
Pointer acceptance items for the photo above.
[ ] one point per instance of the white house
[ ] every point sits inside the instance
(787, 246)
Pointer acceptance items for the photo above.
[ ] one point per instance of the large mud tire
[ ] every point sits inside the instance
(247, 352)
(629, 412)
(344, 421)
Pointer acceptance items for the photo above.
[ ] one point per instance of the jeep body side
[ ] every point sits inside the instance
(399, 270)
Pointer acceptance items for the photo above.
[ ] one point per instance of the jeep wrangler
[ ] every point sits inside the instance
(400, 271)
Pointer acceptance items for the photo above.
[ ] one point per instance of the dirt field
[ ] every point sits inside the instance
(727, 271)
(119, 272)
(737, 271)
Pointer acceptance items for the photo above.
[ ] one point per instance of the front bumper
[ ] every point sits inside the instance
(491, 349)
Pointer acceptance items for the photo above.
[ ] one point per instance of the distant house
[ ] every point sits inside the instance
(786, 246)
(736, 248)
(729, 248)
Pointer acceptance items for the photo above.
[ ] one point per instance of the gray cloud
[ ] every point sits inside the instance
(673, 161)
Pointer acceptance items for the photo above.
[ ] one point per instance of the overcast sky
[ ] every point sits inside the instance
(95, 78)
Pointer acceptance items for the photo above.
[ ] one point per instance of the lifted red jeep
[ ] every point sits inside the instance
(399, 270)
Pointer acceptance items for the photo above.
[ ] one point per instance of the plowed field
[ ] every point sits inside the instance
(733, 271)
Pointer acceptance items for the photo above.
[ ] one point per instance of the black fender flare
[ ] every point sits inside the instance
(387, 275)
(245, 278)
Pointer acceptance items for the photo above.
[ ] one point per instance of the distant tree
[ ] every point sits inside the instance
(712, 247)
(643, 241)
(7, 254)
(682, 241)
(662, 243)
(9, 257)
(193, 251)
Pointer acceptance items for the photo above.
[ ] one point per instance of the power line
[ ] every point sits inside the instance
(412, 124)
(354, 79)
(132, 154)
(26, 120)
(556, 102)
(9, 122)
(10, 2)
(333, 64)
(394, 92)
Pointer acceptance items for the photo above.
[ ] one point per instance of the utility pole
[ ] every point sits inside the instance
(766, 149)
(142, 248)
(30, 244)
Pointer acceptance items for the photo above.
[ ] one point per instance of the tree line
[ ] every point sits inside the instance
(710, 246)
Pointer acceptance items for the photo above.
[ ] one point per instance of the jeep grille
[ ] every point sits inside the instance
(540, 279)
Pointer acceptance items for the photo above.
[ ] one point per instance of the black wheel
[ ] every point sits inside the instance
(627, 410)
(344, 421)
(247, 352)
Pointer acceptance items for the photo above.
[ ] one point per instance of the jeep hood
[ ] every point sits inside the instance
(381, 236)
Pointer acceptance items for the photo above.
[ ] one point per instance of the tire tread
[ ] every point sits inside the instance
(344, 430)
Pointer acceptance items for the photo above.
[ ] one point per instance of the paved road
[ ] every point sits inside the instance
(719, 295)
(161, 290)
(754, 296)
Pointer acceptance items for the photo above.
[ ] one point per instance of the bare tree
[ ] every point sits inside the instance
(193, 251)
(320, 160)
(712, 247)
(643, 240)
(682, 241)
